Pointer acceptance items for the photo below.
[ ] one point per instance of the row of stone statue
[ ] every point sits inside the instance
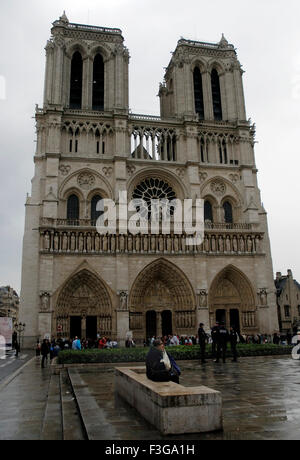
(93, 242)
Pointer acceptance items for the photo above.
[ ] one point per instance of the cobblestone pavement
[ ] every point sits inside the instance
(260, 401)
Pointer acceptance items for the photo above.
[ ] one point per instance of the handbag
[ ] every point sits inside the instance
(174, 365)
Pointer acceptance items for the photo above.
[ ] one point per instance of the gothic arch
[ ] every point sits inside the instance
(200, 64)
(213, 64)
(231, 193)
(231, 289)
(100, 183)
(83, 295)
(178, 287)
(74, 46)
(105, 51)
(160, 173)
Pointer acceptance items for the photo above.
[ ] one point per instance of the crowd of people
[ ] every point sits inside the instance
(49, 349)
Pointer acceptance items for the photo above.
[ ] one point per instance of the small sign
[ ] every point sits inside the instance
(59, 328)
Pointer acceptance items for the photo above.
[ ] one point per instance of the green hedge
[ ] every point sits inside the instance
(130, 355)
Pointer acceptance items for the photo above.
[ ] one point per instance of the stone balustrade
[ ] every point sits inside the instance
(90, 241)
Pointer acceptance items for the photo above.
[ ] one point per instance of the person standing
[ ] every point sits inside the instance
(202, 336)
(222, 339)
(233, 337)
(45, 350)
(214, 338)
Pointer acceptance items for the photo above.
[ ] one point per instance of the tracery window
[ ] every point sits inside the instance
(98, 83)
(216, 95)
(228, 215)
(198, 93)
(94, 213)
(208, 211)
(76, 81)
(151, 189)
(73, 208)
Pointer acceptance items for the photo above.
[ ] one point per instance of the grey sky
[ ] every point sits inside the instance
(266, 34)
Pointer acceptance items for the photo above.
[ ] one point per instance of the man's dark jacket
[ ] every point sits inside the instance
(156, 370)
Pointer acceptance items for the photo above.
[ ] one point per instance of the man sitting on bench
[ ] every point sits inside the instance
(161, 367)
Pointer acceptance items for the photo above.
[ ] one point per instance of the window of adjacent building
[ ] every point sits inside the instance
(216, 95)
(198, 93)
(98, 83)
(228, 215)
(208, 211)
(94, 213)
(73, 208)
(287, 311)
(76, 81)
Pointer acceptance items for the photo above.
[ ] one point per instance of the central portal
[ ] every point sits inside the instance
(166, 322)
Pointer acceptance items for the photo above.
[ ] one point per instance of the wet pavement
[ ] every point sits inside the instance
(260, 401)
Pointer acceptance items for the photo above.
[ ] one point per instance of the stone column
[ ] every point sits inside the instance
(207, 96)
(83, 325)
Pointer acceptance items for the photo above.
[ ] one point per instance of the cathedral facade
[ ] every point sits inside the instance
(76, 281)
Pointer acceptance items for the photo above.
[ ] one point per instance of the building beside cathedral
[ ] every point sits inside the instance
(90, 146)
(288, 302)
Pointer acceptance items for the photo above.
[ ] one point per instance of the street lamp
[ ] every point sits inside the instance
(20, 328)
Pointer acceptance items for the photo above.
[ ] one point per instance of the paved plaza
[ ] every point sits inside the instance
(260, 401)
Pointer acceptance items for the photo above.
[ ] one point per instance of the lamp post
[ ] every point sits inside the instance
(20, 328)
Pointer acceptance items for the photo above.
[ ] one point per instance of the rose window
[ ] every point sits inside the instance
(153, 189)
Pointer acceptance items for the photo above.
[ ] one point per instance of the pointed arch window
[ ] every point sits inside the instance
(94, 213)
(208, 211)
(76, 81)
(73, 209)
(198, 93)
(98, 83)
(216, 95)
(228, 215)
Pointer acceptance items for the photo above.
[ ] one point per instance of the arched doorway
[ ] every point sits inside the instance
(83, 308)
(166, 322)
(164, 289)
(150, 324)
(232, 300)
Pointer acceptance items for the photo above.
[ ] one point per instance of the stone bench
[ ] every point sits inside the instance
(171, 408)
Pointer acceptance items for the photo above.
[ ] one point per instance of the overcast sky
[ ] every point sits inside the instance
(266, 34)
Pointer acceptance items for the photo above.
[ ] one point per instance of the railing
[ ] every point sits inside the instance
(209, 226)
(184, 41)
(91, 242)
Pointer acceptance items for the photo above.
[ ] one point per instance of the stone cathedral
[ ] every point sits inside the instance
(76, 281)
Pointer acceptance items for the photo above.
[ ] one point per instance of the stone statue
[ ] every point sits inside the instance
(249, 244)
(73, 242)
(161, 243)
(213, 244)
(105, 243)
(221, 244)
(97, 243)
(206, 244)
(45, 302)
(176, 245)
(56, 242)
(123, 300)
(65, 242)
(130, 243)
(122, 243)
(242, 244)
(169, 244)
(153, 243)
(145, 246)
(234, 244)
(113, 243)
(228, 244)
(88, 243)
(80, 243)
(137, 243)
(47, 241)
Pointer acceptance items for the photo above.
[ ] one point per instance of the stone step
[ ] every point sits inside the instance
(72, 428)
(52, 423)
(93, 417)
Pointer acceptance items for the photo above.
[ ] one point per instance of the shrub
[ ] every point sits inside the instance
(130, 355)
